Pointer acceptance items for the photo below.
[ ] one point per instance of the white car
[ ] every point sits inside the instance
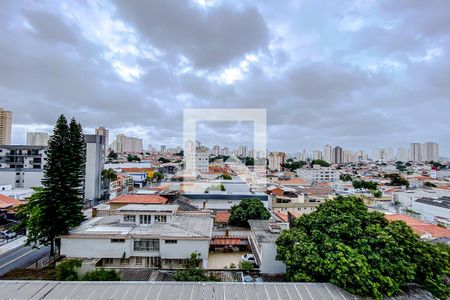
(8, 234)
(249, 258)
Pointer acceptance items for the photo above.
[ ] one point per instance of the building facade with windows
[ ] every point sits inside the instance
(22, 166)
(141, 236)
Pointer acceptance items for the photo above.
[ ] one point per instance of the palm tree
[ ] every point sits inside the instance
(108, 175)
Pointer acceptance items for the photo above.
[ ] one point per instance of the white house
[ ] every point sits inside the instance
(318, 174)
(141, 236)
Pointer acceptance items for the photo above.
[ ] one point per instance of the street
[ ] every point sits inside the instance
(21, 258)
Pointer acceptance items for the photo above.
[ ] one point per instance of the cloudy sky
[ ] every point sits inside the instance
(359, 74)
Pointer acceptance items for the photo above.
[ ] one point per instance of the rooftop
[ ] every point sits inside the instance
(168, 290)
(139, 199)
(420, 227)
(443, 202)
(262, 231)
(149, 208)
(8, 202)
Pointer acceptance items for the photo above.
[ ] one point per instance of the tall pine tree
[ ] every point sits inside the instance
(57, 207)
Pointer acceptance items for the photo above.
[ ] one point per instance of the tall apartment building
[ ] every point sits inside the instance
(349, 157)
(95, 162)
(125, 144)
(215, 150)
(103, 131)
(197, 162)
(360, 156)
(5, 127)
(327, 153)
(337, 155)
(276, 160)
(22, 166)
(415, 152)
(37, 138)
(317, 154)
(402, 155)
(242, 150)
(430, 152)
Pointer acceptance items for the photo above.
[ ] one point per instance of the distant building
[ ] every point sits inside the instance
(337, 155)
(95, 161)
(125, 144)
(430, 152)
(22, 166)
(318, 174)
(37, 138)
(215, 150)
(163, 149)
(103, 131)
(276, 160)
(432, 208)
(327, 153)
(5, 127)
(415, 152)
(197, 162)
(317, 154)
(402, 155)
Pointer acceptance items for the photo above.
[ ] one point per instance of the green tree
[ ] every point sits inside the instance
(362, 184)
(65, 271)
(248, 209)
(320, 162)
(360, 251)
(133, 157)
(57, 207)
(163, 160)
(192, 272)
(397, 180)
(101, 275)
(109, 175)
(112, 155)
(346, 177)
(158, 176)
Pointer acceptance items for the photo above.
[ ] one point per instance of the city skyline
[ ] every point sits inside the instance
(316, 71)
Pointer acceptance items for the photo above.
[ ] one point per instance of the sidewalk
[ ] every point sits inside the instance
(12, 245)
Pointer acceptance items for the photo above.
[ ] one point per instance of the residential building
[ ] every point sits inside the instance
(317, 154)
(290, 199)
(402, 155)
(37, 138)
(163, 149)
(215, 150)
(337, 155)
(218, 200)
(197, 161)
(141, 236)
(146, 199)
(125, 144)
(18, 194)
(276, 160)
(264, 234)
(22, 166)
(242, 150)
(360, 156)
(349, 157)
(5, 127)
(95, 162)
(103, 131)
(415, 152)
(327, 153)
(430, 152)
(318, 174)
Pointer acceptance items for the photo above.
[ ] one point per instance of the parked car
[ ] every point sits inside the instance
(248, 278)
(248, 258)
(7, 234)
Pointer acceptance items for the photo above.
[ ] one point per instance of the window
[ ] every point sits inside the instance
(144, 219)
(117, 241)
(138, 260)
(129, 218)
(146, 245)
(108, 261)
(171, 241)
(160, 219)
(124, 261)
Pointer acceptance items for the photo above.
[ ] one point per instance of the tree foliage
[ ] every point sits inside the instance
(292, 165)
(133, 158)
(65, 271)
(57, 207)
(319, 162)
(346, 177)
(192, 272)
(362, 184)
(360, 251)
(397, 180)
(248, 209)
(101, 275)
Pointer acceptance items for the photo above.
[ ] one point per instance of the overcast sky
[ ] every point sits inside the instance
(359, 74)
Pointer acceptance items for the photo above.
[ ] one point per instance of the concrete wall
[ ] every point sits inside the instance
(269, 264)
(95, 248)
(429, 212)
(183, 249)
(32, 179)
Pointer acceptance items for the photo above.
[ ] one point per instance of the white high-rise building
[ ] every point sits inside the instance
(37, 138)
(349, 157)
(415, 153)
(95, 162)
(125, 144)
(402, 154)
(276, 160)
(197, 162)
(317, 154)
(430, 152)
(383, 155)
(328, 153)
(361, 156)
(215, 150)
(242, 150)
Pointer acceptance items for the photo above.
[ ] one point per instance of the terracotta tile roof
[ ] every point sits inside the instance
(222, 216)
(292, 181)
(8, 202)
(282, 216)
(140, 199)
(420, 227)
